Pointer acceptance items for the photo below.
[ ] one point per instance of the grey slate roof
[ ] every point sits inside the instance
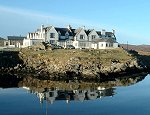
(76, 31)
(63, 31)
(73, 32)
(111, 40)
(99, 33)
(109, 34)
(87, 32)
(16, 37)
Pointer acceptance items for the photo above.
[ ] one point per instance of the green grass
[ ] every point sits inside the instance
(62, 55)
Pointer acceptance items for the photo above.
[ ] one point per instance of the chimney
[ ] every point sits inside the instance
(103, 32)
(113, 31)
(42, 26)
(69, 27)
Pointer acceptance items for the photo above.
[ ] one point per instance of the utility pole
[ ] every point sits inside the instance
(127, 45)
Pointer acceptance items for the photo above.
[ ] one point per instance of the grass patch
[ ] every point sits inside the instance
(86, 55)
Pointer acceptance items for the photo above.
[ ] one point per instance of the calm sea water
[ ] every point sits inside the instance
(124, 100)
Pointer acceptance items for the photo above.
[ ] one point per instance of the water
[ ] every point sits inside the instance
(118, 100)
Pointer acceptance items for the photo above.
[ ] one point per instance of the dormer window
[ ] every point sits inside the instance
(81, 37)
(51, 94)
(93, 37)
(67, 35)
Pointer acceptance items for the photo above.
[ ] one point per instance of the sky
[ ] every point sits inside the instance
(129, 18)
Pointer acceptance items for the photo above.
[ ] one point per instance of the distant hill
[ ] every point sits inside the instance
(2, 38)
(145, 48)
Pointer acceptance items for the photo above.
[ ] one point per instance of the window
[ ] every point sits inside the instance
(92, 94)
(80, 91)
(101, 45)
(6, 43)
(93, 37)
(82, 37)
(51, 94)
(13, 43)
(82, 44)
(67, 35)
(106, 45)
(52, 41)
(52, 35)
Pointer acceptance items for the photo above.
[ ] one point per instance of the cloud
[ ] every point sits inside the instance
(39, 15)
(26, 13)
(48, 18)
(23, 21)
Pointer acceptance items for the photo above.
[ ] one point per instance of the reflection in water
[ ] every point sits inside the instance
(50, 91)
(59, 92)
(50, 95)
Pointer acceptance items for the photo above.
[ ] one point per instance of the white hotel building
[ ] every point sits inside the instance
(79, 38)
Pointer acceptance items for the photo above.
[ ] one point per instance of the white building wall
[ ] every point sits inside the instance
(28, 36)
(65, 43)
(30, 42)
(36, 41)
(102, 45)
(107, 45)
(94, 45)
(91, 34)
(26, 42)
(82, 32)
(56, 37)
(61, 43)
(76, 44)
(115, 45)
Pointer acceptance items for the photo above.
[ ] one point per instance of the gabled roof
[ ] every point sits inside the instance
(48, 28)
(16, 37)
(63, 31)
(73, 32)
(99, 33)
(77, 31)
(88, 32)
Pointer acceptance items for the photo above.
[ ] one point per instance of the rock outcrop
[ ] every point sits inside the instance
(76, 64)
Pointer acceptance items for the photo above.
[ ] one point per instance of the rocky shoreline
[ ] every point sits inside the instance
(74, 67)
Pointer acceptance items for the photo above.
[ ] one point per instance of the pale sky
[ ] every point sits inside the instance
(130, 18)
